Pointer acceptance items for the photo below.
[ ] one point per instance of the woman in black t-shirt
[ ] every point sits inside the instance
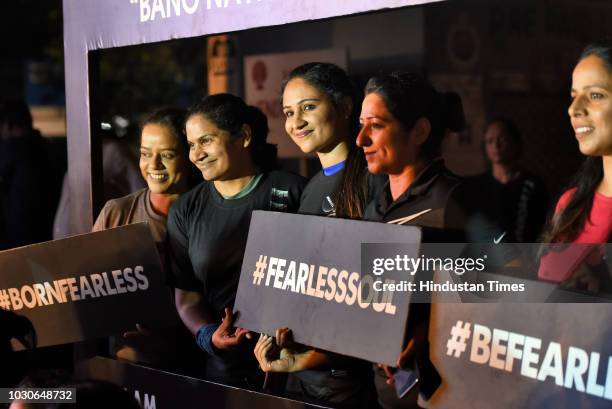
(319, 106)
(318, 103)
(208, 226)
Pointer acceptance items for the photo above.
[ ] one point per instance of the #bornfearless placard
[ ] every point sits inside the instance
(305, 273)
(87, 286)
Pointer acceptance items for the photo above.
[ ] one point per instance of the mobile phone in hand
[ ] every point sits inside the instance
(404, 381)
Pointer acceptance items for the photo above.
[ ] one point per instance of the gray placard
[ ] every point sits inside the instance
(527, 355)
(87, 286)
(319, 314)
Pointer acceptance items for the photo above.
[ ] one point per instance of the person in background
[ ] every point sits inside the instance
(208, 227)
(120, 174)
(514, 197)
(28, 179)
(583, 214)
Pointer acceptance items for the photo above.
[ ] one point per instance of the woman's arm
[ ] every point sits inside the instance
(191, 309)
(197, 317)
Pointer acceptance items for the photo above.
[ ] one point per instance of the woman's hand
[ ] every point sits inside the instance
(227, 336)
(414, 344)
(141, 331)
(264, 350)
(285, 359)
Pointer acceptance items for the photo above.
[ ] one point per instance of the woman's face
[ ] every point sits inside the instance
(162, 162)
(310, 117)
(591, 108)
(388, 147)
(499, 146)
(212, 150)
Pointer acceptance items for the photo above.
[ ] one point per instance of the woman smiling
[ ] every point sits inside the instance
(164, 164)
(208, 227)
(584, 212)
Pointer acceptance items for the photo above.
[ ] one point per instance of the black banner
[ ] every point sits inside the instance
(162, 390)
(87, 286)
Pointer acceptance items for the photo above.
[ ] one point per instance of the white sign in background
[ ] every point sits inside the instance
(263, 76)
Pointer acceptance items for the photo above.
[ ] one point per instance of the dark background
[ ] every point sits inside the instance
(511, 58)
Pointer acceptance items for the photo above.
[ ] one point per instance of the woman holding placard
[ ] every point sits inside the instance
(164, 165)
(403, 121)
(318, 103)
(208, 226)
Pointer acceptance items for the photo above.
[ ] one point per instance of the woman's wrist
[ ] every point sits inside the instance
(204, 338)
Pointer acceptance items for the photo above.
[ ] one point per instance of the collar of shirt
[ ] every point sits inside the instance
(419, 186)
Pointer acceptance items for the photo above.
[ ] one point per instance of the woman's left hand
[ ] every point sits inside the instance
(287, 359)
(227, 336)
(263, 352)
(414, 344)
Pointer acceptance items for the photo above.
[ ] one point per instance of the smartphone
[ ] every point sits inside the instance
(405, 380)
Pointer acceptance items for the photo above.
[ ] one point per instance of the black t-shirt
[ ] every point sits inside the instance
(432, 195)
(317, 198)
(443, 205)
(319, 195)
(207, 234)
(348, 381)
(519, 206)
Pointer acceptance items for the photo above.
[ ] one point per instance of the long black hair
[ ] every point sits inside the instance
(409, 97)
(230, 113)
(567, 224)
(351, 194)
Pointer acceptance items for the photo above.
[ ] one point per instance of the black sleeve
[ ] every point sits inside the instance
(537, 211)
(467, 211)
(180, 272)
(296, 188)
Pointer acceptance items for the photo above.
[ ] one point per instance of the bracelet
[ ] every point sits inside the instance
(204, 338)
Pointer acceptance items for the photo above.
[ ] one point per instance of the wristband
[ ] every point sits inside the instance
(204, 338)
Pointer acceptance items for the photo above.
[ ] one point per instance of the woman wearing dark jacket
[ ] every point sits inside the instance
(403, 121)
